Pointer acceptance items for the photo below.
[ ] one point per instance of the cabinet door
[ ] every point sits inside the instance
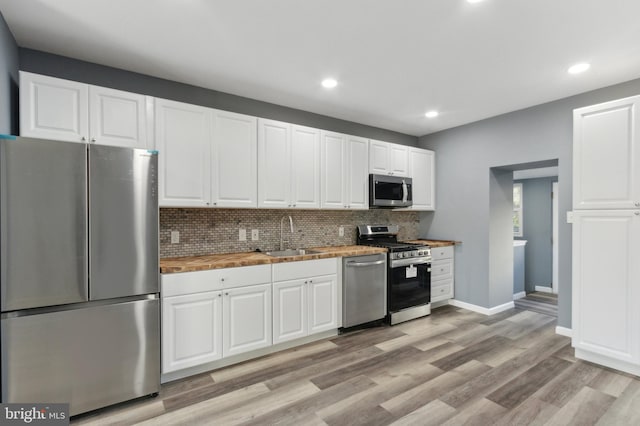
(357, 173)
(274, 164)
(606, 156)
(183, 138)
(290, 310)
(235, 160)
(333, 164)
(117, 118)
(379, 158)
(305, 167)
(191, 330)
(422, 172)
(398, 159)
(323, 303)
(52, 108)
(606, 283)
(246, 319)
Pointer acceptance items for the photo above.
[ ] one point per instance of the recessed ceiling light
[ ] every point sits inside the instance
(431, 114)
(578, 68)
(474, 1)
(329, 83)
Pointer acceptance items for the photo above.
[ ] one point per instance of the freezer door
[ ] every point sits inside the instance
(89, 357)
(43, 223)
(123, 222)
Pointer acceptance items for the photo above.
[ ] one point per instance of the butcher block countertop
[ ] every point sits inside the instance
(233, 260)
(436, 243)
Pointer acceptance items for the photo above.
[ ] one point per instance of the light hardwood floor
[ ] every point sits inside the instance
(451, 368)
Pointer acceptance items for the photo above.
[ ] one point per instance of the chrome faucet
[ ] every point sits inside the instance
(290, 225)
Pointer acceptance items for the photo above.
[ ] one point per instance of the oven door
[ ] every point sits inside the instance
(409, 286)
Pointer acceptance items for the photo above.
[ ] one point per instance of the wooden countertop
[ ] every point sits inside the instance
(436, 243)
(233, 260)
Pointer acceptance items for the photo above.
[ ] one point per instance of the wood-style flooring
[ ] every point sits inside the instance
(544, 303)
(454, 367)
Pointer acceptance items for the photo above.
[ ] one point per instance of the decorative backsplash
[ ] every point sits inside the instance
(207, 231)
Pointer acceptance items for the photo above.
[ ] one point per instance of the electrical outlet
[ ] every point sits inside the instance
(255, 235)
(175, 237)
(341, 231)
(242, 234)
(569, 217)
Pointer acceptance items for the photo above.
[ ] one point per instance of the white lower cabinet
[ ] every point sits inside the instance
(211, 315)
(305, 298)
(246, 319)
(442, 273)
(606, 290)
(191, 330)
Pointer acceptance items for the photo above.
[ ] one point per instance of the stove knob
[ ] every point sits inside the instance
(400, 255)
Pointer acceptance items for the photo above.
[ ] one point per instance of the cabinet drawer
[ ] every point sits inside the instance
(304, 269)
(442, 253)
(177, 284)
(441, 269)
(441, 290)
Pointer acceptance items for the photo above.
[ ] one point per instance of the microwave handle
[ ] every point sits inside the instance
(405, 191)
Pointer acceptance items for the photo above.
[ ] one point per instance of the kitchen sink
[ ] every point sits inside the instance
(291, 252)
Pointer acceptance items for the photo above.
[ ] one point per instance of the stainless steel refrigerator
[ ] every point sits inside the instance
(79, 273)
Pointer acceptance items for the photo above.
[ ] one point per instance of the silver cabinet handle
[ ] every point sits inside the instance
(222, 279)
(377, 262)
(93, 139)
(226, 294)
(637, 213)
(83, 139)
(637, 204)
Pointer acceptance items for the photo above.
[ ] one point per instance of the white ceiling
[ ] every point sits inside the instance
(394, 60)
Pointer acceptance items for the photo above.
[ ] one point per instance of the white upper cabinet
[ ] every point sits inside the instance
(422, 173)
(305, 167)
(119, 118)
(344, 171)
(388, 158)
(606, 156)
(288, 165)
(357, 173)
(53, 108)
(333, 160)
(234, 160)
(183, 139)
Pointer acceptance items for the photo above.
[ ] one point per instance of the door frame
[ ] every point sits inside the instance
(554, 237)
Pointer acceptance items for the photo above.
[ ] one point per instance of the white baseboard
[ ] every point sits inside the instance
(543, 289)
(520, 295)
(481, 309)
(563, 331)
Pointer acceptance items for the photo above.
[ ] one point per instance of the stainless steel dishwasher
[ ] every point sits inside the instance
(364, 289)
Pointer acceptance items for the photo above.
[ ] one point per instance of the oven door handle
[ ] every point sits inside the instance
(400, 263)
(377, 262)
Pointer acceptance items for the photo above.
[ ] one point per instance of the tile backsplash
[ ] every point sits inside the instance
(207, 231)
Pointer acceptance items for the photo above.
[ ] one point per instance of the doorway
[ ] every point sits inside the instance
(539, 228)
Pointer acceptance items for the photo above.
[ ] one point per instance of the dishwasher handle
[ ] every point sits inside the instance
(377, 262)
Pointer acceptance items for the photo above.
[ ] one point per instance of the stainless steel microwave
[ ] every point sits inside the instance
(390, 191)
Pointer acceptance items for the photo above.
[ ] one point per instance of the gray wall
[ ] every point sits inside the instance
(500, 251)
(100, 75)
(464, 156)
(8, 80)
(537, 230)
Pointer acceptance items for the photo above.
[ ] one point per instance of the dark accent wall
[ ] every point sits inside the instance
(537, 230)
(464, 157)
(8, 80)
(72, 69)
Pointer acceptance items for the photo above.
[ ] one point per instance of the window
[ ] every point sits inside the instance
(517, 210)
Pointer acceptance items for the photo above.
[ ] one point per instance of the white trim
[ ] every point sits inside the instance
(627, 367)
(519, 210)
(554, 237)
(482, 309)
(563, 331)
(543, 289)
(520, 295)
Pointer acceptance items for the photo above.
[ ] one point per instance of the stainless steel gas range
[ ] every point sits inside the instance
(408, 272)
